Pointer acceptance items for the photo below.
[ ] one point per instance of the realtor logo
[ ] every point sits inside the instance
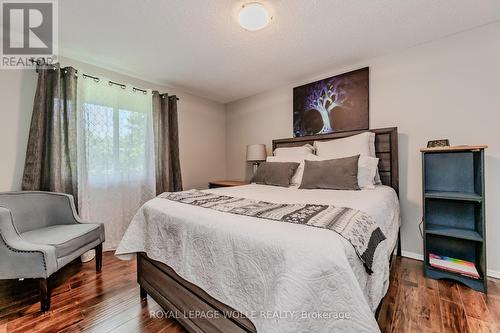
(29, 32)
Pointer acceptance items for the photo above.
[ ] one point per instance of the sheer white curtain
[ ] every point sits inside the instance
(116, 168)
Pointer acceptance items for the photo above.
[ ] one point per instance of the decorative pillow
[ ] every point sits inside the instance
(335, 174)
(367, 168)
(297, 177)
(362, 144)
(294, 152)
(275, 173)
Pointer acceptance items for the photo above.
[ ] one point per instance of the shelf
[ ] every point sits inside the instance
(452, 149)
(476, 284)
(463, 196)
(453, 210)
(437, 269)
(453, 232)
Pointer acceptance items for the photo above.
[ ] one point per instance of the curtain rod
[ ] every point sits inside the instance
(123, 86)
(97, 79)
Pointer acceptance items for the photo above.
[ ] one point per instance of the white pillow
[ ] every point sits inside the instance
(361, 144)
(367, 170)
(297, 176)
(294, 152)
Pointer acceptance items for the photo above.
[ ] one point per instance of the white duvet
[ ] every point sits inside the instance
(284, 277)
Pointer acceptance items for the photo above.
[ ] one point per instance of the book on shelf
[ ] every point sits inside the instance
(454, 265)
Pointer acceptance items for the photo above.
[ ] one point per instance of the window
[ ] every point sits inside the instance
(116, 168)
(116, 142)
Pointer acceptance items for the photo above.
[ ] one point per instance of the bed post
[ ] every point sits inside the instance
(395, 174)
(143, 293)
(398, 253)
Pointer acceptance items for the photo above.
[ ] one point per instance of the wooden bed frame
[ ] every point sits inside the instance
(182, 299)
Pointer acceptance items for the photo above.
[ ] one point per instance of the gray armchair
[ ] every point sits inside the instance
(40, 232)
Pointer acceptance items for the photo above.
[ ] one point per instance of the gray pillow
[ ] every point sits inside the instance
(275, 173)
(336, 174)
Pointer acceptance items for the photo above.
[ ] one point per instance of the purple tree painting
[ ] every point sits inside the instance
(339, 103)
(324, 97)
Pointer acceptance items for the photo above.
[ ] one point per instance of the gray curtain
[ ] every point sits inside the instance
(51, 154)
(166, 139)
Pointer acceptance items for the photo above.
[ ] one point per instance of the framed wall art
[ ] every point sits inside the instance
(336, 104)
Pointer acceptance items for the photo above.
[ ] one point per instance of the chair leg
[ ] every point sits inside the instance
(98, 258)
(44, 295)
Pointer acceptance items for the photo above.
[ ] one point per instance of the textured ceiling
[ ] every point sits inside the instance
(197, 45)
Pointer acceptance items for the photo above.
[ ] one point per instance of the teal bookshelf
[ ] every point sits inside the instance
(454, 210)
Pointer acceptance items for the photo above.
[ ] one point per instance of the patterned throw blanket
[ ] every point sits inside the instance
(357, 227)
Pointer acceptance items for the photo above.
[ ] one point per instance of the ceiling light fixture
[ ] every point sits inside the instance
(253, 16)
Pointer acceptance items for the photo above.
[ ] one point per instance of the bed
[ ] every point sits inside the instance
(220, 272)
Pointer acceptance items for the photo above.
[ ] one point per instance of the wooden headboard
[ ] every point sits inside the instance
(386, 149)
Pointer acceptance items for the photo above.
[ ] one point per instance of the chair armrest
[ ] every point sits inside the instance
(19, 258)
(67, 202)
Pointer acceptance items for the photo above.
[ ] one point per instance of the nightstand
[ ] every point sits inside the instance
(226, 183)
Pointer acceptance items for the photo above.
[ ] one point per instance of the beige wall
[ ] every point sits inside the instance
(202, 134)
(449, 88)
(17, 89)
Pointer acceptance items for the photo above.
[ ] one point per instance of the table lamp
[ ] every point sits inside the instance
(256, 153)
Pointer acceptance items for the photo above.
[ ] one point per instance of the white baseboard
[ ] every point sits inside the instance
(412, 255)
(494, 274)
(417, 256)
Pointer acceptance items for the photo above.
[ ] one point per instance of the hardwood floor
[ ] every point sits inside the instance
(83, 300)
(417, 304)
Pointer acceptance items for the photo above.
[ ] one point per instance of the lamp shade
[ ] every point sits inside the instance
(256, 153)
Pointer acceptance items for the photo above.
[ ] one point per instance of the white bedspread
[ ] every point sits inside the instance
(284, 277)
